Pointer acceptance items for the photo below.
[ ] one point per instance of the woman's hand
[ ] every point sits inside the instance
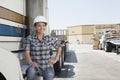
(52, 61)
(33, 64)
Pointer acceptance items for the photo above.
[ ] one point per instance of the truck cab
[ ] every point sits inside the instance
(103, 37)
(110, 41)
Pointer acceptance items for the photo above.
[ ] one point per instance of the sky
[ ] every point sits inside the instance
(65, 13)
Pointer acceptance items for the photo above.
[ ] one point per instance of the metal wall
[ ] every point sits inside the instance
(12, 23)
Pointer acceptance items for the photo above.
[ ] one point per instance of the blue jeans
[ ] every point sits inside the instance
(48, 74)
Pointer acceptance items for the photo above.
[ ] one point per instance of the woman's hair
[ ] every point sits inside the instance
(39, 22)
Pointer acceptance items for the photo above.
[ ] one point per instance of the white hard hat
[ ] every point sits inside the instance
(40, 19)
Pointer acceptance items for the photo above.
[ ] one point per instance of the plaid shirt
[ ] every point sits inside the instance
(40, 50)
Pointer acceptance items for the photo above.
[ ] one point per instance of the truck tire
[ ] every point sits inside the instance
(108, 47)
(100, 46)
(117, 50)
(63, 56)
(58, 66)
(2, 77)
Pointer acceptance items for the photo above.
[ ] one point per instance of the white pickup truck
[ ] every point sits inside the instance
(110, 40)
(9, 66)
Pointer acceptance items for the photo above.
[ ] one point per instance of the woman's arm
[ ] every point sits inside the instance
(58, 54)
(29, 60)
(53, 61)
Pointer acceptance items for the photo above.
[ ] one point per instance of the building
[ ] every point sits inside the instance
(85, 33)
(60, 34)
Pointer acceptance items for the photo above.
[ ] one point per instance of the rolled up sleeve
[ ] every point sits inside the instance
(27, 44)
(56, 43)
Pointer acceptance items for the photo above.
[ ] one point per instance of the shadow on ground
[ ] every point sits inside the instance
(71, 57)
(66, 72)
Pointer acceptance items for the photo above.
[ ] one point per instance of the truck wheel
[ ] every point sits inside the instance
(100, 46)
(108, 47)
(117, 50)
(62, 56)
(2, 77)
(58, 66)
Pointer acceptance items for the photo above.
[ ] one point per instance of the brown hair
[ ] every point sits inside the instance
(40, 22)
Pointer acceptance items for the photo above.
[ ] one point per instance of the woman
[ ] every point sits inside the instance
(37, 51)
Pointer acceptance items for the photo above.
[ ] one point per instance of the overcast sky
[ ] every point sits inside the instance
(65, 13)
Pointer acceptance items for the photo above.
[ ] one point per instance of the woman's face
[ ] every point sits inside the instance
(40, 27)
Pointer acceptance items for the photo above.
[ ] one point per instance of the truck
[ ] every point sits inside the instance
(110, 40)
(16, 23)
(9, 66)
